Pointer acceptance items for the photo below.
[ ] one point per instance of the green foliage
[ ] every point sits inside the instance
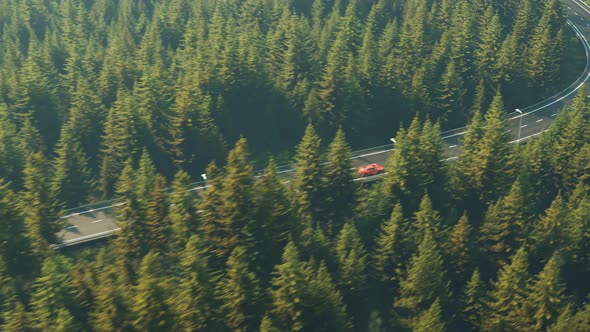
(424, 283)
(152, 312)
(338, 189)
(238, 293)
(52, 301)
(509, 294)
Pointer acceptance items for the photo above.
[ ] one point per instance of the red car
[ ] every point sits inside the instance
(370, 169)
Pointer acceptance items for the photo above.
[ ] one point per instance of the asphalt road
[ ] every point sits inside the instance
(96, 221)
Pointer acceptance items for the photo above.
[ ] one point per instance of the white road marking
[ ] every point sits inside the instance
(94, 222)
(554, 114)
(71, 227)
(453, 146)
(523, 126)
(539, 120)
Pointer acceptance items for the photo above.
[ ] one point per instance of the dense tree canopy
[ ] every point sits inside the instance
(133, 99)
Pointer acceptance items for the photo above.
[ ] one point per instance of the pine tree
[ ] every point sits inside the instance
(236, 201)
(145, 177)
(112, 308)
(474, 302)
(11, 157)
(150, 306)
(426, 220)
(239, 294)
(546, 296)
(327, 311)
(564, 321)
(392, 250)
(424, 283)
(338, 189)
(352, 273)
(118, 142)
(273, 219)
(459, 253)
(430, 320)
(288, 299)
(451, 93)
(181, 212)
(71, 182)
(504, 227)
(307, 175)
(549, 233)
(53, 298)
(193, 302)
(157, 219)
(39, 211)
(486, 55)
(17, 319)
(15, 246)
(494, 156)
(131, 243)
(508, 295)
(211, 212)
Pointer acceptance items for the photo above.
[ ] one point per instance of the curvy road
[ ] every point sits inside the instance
(96, 221)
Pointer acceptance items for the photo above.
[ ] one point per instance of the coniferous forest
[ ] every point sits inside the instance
(135, 98)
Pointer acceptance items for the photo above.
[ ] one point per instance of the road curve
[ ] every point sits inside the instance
(95, 221)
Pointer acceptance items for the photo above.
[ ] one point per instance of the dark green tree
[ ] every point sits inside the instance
(39, 211)
(151, 309)
(193, 304)
(392, 250)
(473, 302)
(53, 297)
(431, 319)
(546, 296)
(352, 273)
(71, 182)
(239, 294)
(338, 189)
(424, 283)
(307, 193)
(508, 296)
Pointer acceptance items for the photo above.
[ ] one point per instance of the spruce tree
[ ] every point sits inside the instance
(459, 251)
(424, 283)
(15, 246)
(338, 189)
(39, 211)
(239, 294)
(506, 309)
(17, 319)
(112, 309)
(118, 142)
(237, 210)
(546, 296)
(157, 219)
(290, 279)
(504, 227)
(352, 272)
(274, 217)
(194, 300)
(549, 232)
(426, 220)
(53, 299)
(392, 250)
(71, 182)
(307, 175)
(431, 320)
(473, 302)
(181, 212)
(211, 212)
(152, 312)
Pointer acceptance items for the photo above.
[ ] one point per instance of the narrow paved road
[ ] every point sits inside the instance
(96, 221)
